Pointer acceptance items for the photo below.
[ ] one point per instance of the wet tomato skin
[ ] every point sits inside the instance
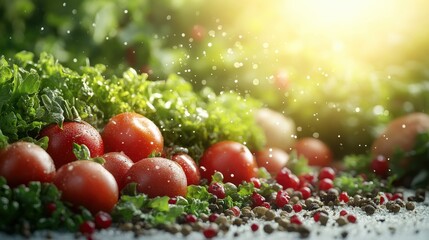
(316, 151)
(272, 159)
(133, 134)
(118, 164)
(189, 166)
(60, 146)
(22, 162)
(88, 184)
(232, 159)
(158, 176)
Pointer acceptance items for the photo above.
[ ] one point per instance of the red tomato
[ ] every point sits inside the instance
(133, 134)
(158, 177)
(189, 167)
(232, 159)
(22, 162)
(118, 164)
(60, 146)
(89, 184)
(272, 159)
(316, 152)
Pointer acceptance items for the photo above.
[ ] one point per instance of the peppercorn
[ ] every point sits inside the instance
(270, 215)
(395, 208)
(323, 219)
(268, 228)
(342, 221)
(369, 209)
(410, 206)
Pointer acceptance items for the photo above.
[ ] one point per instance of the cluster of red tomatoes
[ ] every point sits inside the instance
(128, 144)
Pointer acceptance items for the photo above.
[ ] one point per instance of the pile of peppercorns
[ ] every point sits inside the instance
(292, 202)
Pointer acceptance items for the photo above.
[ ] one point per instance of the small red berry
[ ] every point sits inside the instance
(389, 196)
(306, 192)
(326, 172)
(213, 217)
(254, 227)
(50, 208)
(343, 212)
(282, 198)
(236, 210)
(87, 228)
(326, 184)
(397, 195)
(351, 218)
(380, 166)
(172, 200)
(102, 220)
(344, 196)
(295, 219)
(287, 179)
(256, 182)
(257, 199)
(297, 207)
(266, 205)
(191, 218)
(316, 216)
(217, 189)
(210, 232)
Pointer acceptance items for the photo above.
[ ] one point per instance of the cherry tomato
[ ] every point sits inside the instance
(287, 179)
(60, 146)
(316, 151)
(89, 184)
(133, 134)
(189, 166)
(118, 164)
(158, 177)
(232, 159)
(272, 159)
(22, 162)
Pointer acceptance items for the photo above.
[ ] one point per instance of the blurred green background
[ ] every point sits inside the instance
(340, 69)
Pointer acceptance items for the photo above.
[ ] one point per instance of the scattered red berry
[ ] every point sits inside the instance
(344, 197)
(287, 179)
(380, 166)
(316, 216)
(257, 199)
(351, 218)
(87, 228)
(282, 198)
(326, 172)
(343, 212)
(213, 217)
(397, 195)
(172, 200)
(210, 232)
(326, 184)
(191, 218)
(295, 219)
(297, 207)
(102, 220)
(389, 196)
(50, 208)
(217, 189)
(256, 182)
(236, 210)
(266, 205)
(254, 227)
(306, 192)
